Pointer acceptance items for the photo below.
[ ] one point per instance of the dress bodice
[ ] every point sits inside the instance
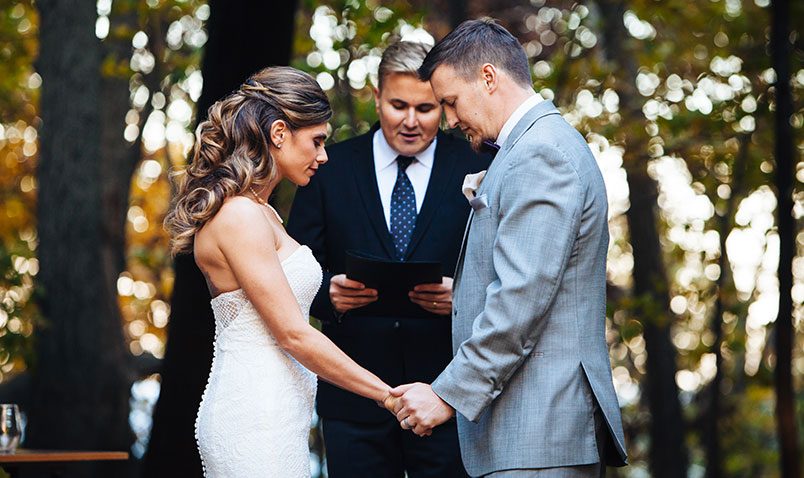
(304, 276)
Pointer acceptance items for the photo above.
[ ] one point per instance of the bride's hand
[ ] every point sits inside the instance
(391, 403)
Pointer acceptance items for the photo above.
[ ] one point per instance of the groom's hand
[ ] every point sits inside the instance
(434, 298)
(347, 294)
(419, 408)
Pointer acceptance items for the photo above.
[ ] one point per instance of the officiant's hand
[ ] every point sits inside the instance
(434, 298)
(419, 408)
(347, 294)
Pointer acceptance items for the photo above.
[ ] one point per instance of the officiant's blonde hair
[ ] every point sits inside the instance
(401, 57)
(231, 152)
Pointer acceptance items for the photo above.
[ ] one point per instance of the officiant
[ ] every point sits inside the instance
(393, 193)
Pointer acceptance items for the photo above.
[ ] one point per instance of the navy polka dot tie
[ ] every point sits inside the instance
(403, 208)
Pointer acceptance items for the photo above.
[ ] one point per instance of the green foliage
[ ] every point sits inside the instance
(18, 45)
(752, 423)
(341, 41)
(18, 312)
(19, 94)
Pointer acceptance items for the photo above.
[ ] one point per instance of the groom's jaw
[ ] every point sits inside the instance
(471, 136)
(477, 145)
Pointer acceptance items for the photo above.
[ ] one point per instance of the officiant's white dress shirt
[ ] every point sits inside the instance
(386, 170)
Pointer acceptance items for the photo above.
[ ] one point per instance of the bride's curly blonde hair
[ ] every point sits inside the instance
(231, 147)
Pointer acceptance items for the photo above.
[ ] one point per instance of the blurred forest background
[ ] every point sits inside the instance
(692, 108)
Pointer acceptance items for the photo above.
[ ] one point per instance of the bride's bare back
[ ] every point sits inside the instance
(207, 247)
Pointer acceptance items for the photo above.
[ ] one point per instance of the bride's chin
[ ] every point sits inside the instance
(301, 182)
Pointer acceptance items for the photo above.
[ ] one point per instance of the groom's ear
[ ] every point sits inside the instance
(490, 77)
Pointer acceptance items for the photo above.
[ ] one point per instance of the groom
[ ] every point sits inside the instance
(531, 378)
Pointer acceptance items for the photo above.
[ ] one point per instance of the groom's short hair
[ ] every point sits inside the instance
(401, 57)
(475, 42)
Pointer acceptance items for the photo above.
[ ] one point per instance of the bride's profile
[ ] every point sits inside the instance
(256, 410)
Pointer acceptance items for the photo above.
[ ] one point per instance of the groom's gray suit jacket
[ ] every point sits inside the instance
(529, 315)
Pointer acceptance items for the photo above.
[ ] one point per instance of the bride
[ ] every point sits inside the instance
(255, 414)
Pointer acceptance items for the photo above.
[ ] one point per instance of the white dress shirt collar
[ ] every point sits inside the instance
(517, 115)
(386, 170)
(385, 155)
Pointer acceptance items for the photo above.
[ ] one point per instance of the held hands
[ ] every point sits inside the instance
(392, 404)
(347, 294)
(418, 408)
(434, 298)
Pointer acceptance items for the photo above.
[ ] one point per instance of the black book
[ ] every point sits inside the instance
(393, 280)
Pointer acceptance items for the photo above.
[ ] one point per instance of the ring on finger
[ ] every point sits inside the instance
(405, 424)
(435, 304)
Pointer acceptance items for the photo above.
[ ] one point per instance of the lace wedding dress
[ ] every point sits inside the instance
(255, 414)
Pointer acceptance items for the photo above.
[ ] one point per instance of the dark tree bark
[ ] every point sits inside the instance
(80, 391)
(119, 158)
(244, 37)
(785, 172)
(668, 457)
(724, 287)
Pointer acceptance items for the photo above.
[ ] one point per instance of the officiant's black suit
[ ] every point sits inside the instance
(340, 210)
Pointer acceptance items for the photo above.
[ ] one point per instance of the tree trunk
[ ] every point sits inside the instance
(119, 158)
(244, 37)
(724, 286)
(785, 172)
(668, 457)
(80, 398)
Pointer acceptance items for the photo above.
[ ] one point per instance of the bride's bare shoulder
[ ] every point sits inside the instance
(239, 213)
(236, 209)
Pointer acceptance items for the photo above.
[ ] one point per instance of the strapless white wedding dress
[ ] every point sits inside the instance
(255, 414)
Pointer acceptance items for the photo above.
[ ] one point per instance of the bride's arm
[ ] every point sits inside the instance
(249, 246)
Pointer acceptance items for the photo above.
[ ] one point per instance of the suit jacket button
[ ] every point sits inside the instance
(396, 324)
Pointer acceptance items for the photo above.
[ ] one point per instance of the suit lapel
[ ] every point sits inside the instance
(440, 176)
(459, 264)
(366, 180)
